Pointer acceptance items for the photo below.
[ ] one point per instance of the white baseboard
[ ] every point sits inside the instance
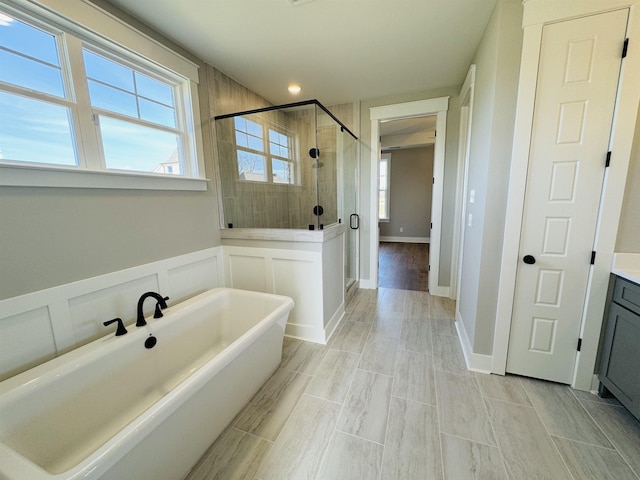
(476, 362)
(438, 291)
(334, 323)
(406, 239)
(367, 284)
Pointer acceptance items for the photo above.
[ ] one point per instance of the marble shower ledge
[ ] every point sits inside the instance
(283, 234)
(627, 265)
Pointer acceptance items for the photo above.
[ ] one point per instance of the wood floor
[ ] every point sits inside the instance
(389, 398)
(403, 266)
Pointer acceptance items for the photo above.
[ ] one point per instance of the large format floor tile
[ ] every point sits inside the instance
(506, 388)
(351, 458)
(234, 456)
(301, 446)
(412, 448)
(527, 449)
(379, 354)
(467, 460)
(589, 462)
(562, 414)
(621, 427)
(447, 355)
(414, 378)
(390, 398)
(416, 336)
(461, 410)
(269, 409)
(333, 377)
(351, 337)
(367, 406)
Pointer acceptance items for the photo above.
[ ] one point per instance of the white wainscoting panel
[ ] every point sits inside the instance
(41, 325)
(188, 280)
(247, 270)
(31, 332)
(295, 273)
(300, 279)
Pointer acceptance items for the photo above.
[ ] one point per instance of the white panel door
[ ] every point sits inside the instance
(575, 96)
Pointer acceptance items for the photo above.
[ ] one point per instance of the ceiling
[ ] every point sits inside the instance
(406, 126)
(411, 132)
(337, 50)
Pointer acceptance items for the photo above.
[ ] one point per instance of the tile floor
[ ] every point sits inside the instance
(390, 398)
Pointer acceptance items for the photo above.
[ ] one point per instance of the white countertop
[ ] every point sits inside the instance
(627, 265)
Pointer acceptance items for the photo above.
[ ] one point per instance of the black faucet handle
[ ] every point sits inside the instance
(159, 308)
(120, 330)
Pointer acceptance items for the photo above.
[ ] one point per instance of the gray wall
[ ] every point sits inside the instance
(628, 239)
(450, 165)
(53, 236)
(410, 193)
(497, 68)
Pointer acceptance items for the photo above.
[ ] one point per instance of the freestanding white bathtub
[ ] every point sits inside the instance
(115, 410)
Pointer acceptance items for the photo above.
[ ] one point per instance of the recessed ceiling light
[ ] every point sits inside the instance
(294, 88)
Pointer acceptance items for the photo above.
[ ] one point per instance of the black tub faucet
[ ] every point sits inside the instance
(120, 330)
(162, 303)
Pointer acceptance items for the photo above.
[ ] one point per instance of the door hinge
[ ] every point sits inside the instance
(593, 257)
(429, 269)
(579, 344)
(431, 225)
(625, 47)
(608, 162)
(433, 180)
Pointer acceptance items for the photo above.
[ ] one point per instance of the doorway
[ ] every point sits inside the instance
(405, 198)
(434, 107)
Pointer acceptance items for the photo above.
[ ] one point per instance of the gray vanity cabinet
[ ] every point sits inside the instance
(620, 355)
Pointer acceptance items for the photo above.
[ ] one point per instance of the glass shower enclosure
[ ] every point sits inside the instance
(292, 166)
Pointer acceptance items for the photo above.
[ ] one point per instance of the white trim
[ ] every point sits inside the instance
(464, 142)
(81, 24)
(406, 239)
(614, 184)
(334, 322)
(37, 176)
(439, 291)
(387, 158)
(435, 106)
(475, 362)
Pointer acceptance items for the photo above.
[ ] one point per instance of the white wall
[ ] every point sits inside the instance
(497, 65)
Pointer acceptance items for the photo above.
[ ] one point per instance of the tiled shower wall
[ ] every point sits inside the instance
(259, 205)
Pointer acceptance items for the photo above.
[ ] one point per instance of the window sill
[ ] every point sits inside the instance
(383, 220)
(32, 176)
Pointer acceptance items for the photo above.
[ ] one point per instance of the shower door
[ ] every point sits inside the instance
(348, 162)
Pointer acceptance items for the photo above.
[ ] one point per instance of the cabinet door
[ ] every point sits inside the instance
(620, 366)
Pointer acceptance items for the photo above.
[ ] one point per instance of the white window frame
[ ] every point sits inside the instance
(268, 156)
(81, 24)
(384, 216)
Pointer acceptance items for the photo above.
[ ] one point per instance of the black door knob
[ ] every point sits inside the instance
(529, 259)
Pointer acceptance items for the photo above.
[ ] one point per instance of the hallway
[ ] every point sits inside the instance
(403, 266)
(390, 398)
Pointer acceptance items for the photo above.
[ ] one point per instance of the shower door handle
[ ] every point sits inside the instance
(354, 221)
